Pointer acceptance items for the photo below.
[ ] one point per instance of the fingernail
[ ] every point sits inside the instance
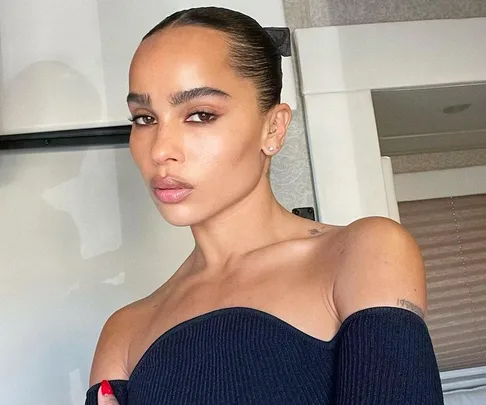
(106, 388)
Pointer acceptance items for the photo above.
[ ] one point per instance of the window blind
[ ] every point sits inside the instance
(451, 233)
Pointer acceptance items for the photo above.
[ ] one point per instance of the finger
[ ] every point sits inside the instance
(105, 395)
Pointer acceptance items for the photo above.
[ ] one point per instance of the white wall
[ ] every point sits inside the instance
(440, 183)
(79, 238)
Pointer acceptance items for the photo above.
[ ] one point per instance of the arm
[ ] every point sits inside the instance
(109, 361)
(381, 266)
(111, 352)
(385, 354)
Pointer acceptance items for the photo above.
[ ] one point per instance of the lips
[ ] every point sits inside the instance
(170, 190)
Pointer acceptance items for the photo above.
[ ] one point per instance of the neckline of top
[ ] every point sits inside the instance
(266, 315)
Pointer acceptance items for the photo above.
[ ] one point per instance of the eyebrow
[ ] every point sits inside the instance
(179, 97)
(142, 99)
(185, 96)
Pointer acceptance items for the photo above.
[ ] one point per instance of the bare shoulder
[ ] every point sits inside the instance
(380, 265)
(110, 358)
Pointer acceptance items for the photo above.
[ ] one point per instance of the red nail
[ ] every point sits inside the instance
(106, 388)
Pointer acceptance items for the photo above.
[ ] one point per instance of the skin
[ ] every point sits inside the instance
(249, 250)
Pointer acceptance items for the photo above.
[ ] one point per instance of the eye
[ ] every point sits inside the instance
(143, 120)
(201, 117)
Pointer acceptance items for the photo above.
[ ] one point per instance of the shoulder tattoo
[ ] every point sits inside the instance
(411, 307)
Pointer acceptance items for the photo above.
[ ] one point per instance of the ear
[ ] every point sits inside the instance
(277, 122)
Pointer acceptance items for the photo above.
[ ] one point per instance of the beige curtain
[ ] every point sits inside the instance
(451, 233)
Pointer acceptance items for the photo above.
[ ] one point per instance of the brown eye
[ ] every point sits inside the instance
(143, 120)
(201, 117)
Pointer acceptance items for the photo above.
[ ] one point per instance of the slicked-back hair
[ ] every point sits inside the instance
(252, 52)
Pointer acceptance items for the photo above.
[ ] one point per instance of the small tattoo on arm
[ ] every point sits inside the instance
(411, 307)
(314, 232)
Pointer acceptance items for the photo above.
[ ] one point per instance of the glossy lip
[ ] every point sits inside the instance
(170, 190)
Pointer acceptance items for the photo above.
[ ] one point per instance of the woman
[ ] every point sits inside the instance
(269, 308)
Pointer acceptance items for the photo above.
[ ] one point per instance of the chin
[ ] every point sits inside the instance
(178, 215)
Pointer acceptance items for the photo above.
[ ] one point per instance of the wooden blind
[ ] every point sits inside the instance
(451, 233)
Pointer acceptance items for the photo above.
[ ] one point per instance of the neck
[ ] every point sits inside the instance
(256, 221)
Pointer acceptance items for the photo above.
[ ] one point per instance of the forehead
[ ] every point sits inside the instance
(182, 58)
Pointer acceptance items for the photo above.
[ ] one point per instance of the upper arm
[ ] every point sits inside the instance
(111, 352)
(380, 266)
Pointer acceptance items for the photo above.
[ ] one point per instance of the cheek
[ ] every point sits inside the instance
(227, 152)
(228, 175)
(206, 150)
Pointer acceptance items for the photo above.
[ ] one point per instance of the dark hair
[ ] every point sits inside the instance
(252, 52)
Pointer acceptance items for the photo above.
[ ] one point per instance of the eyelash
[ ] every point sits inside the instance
(134, 119)
(211, 117)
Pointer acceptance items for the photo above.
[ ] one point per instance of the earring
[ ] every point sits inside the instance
(271, 148)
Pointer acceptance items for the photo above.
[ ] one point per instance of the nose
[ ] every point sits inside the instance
(167, 146)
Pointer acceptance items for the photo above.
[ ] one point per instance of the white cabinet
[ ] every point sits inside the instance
(64, 63)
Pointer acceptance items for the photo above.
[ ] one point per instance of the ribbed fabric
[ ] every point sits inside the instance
(386, 357)
(245, 356)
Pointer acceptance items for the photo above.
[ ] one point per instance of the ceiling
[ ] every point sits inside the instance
(412, 120)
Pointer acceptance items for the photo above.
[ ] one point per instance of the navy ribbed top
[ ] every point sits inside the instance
(238, 355)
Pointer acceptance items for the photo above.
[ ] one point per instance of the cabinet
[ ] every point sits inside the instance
(64, 63)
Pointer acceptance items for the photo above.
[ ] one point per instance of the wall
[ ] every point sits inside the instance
(438, 161)
(79, 238)
(318, 13)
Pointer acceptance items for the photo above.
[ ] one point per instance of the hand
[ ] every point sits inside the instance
(105, 395)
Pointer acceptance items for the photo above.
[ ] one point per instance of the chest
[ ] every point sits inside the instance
(293, 290)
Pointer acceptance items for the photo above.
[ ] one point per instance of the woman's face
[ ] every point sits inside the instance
(198, 132)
